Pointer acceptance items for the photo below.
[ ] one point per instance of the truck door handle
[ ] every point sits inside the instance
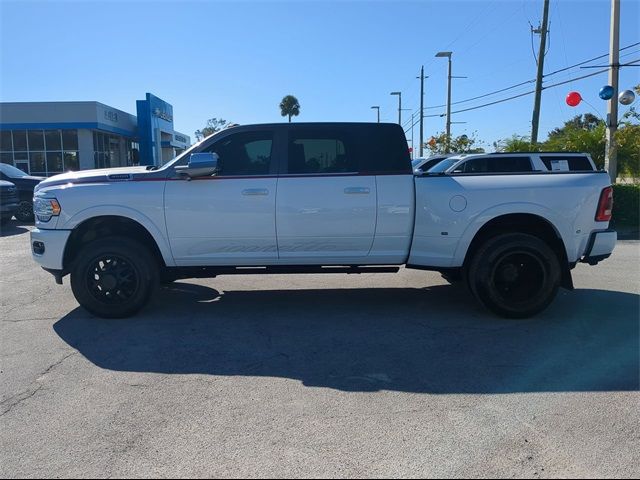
(357, 190)
(255, 191)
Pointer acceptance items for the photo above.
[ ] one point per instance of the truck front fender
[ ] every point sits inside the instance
(126, 212)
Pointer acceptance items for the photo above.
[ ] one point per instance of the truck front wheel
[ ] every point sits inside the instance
(114, 277)
(514, 275)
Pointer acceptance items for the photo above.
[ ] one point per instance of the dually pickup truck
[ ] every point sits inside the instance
(324, 198)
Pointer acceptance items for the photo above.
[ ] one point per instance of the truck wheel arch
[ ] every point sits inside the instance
(528, 223)
(101, 226)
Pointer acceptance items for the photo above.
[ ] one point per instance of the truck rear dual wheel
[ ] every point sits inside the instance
(114, 277)
(514, 275)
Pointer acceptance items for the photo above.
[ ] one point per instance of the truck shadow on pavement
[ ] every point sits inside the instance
(423, 340)
(12, 228)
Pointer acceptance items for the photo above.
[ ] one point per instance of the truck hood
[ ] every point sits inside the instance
(97, 176)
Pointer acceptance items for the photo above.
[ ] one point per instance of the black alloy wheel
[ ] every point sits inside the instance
(25, 212)
(515, 275)
(114, 277)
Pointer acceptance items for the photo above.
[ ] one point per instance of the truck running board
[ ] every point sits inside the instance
(209, 272)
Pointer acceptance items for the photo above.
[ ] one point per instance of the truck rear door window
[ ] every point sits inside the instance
(571, 163)
(370, 149)
(320, 152)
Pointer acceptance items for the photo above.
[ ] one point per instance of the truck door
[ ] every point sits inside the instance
(325, 210)
(228, 218)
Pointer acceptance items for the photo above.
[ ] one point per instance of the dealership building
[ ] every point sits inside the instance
(46, 138)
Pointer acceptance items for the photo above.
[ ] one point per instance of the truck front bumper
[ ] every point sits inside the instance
(600, 246)
(7, 209)
(47, 247)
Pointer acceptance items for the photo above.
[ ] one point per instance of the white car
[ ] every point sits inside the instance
(321, 197)
(506, 162)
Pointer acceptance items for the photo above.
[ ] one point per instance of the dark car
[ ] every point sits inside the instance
(25, 184)
(8, 201)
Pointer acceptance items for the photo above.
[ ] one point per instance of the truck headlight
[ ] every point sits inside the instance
(45, 208)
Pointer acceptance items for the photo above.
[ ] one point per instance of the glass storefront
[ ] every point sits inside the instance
(40, 152)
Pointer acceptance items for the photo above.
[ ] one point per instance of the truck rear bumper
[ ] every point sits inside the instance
(600, 246)
(47, 247)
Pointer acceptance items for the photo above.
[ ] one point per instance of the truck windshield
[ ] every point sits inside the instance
(11, 171)
(187, 152)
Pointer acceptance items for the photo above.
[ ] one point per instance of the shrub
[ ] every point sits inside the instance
(626, 204)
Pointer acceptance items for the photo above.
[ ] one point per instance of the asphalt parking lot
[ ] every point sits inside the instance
(319, 375)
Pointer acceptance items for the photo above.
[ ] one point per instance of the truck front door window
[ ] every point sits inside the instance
(244, 154)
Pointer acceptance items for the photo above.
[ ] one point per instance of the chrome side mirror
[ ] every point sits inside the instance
(200, 165)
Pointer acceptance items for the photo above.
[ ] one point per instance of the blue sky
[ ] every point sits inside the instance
(236, 60)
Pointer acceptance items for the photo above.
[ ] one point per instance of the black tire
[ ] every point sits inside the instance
(114, 277)
(25, 212)
(514, 275)
(454, 277)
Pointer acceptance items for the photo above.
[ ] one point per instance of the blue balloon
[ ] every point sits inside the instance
(606, 92)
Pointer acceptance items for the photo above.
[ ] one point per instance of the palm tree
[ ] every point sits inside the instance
(289, 106)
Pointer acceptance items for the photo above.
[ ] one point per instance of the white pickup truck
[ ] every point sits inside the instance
(324, 197)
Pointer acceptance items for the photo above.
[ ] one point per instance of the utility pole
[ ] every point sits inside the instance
(421, 108)
(611, 149)
(542, 31)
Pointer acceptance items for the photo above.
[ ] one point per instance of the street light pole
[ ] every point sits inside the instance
(378, 109)
(399, 94)
(448, 126)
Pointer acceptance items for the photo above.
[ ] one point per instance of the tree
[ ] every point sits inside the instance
(586, 133)
(461, 144)
(289, 106)
(588, 121)
(516, 143)
(628, 140)
(588, 137)
(213, 125)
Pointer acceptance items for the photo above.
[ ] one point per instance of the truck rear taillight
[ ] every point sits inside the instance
(605, 205)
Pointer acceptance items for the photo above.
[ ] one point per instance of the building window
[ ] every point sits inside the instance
(36, 140)
(54, 162)
(71, 161)
(40, 152)
(19, 140)
(54, 139)
(70, 139)
(6, 144)
(37, 165)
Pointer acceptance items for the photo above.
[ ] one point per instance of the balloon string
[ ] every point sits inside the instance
(598, 114)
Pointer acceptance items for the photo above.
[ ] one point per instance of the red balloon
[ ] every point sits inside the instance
(573, 99)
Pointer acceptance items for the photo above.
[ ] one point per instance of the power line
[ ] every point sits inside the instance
(590, 60)
(529, 81)
(632, 62)
(484, 95)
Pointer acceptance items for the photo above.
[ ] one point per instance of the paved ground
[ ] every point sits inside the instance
(372, 375)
